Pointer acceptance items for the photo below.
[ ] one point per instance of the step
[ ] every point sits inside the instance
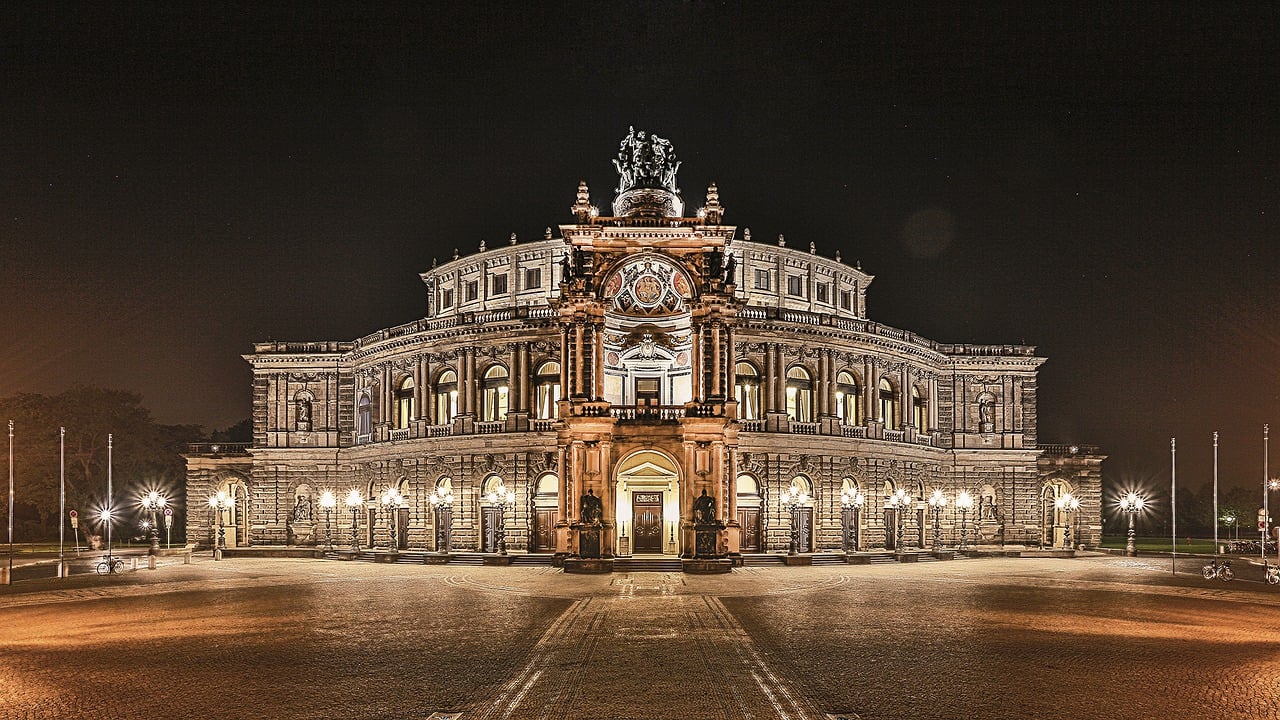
(471, 559)
(647, 565)
(882, 559)
(829, 559)
(761, 559)
(532, 560)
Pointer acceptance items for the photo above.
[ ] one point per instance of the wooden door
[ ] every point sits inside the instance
(370, 529)
(402, 528)
(646, 514)
(444, 526)
(805, 522)
(489, 529)
(890, 529)
(544, 530)
(749, 519)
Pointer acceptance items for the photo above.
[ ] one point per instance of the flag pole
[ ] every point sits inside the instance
(1173, 499)
(9, 575)
(62, 501)
(1215, 493)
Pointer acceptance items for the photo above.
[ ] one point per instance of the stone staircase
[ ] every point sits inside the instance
(761, 560)
(828, 559)
(647, 564)
(531, 560)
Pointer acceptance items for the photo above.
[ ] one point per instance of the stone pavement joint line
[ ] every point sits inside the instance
(598, 658)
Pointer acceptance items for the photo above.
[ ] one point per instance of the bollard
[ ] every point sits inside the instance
(186, 558)
(151, 562)
(133, 563)
(4, 576)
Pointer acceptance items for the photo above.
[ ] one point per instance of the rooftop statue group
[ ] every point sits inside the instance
(646, 161)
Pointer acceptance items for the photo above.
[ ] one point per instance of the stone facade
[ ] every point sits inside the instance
(608, 376)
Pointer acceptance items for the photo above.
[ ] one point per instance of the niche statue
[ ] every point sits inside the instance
(704, 509)
(591, 511)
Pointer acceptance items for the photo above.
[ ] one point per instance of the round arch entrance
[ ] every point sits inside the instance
(647, 488)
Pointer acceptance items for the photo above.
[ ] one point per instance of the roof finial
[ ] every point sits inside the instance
(713, 211)
(782, 242)
(482, 246)
(582, 206)
(433, 263)
(513, 238)
(813, 248)
(746, 234)
(455, 253)
(837, 256)
(546, 234)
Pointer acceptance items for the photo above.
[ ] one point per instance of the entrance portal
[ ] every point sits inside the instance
(646, 514)
(648, 505)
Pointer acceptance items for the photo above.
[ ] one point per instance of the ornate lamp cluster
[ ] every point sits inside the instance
(500, 497)
(1068, 504)
(792, 500)
(852, 502)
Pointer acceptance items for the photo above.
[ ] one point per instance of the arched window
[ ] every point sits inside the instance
(848, 399)
(889, 410)
(446, 397)
(493, 394)
(919, 411)
(546, 391)
(364, 415)
(748, 391)
(799, 395)
(404, 402)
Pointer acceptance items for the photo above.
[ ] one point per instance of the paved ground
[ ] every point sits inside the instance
(994, 638)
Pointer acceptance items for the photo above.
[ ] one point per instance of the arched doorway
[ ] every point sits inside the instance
(648, 502)
(234, 519)
(542, 536)
(749, 504)
(1054, 519)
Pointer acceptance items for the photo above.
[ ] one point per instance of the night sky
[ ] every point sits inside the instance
(181, 181)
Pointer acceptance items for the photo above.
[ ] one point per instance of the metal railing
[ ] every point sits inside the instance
(218, 448)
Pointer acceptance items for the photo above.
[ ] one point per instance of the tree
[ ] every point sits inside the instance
(144, 454)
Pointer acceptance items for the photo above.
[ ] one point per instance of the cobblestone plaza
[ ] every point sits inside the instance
(982, 638)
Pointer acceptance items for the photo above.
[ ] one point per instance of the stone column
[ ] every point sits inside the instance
(716, 390)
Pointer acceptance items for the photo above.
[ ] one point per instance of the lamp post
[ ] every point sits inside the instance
(391, 501)
(152, 503)
(964, 501)
(1131, 504)
(1068, 504)
(936, 502)
(442, 503)
(792, 500)
(851, 501)
(499, 497)
(220, 503)
(328, 501)
(1229, 520)
(899, 501)
(354, 502)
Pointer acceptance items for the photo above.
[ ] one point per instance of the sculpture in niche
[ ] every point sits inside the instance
(303, 421)
(986, 413)
(704, 509)
(301, 509)
(591, 510)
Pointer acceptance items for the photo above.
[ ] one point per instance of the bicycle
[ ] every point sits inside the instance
(110, 564)
(1220, 570)
(1272, 574)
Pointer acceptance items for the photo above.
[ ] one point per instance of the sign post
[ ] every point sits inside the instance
(168, 526)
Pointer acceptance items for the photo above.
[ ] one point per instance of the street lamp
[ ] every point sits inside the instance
(936, 502)
(152, 503)
(851, 501)
(1229, 519)
(899, 501)
(964, 501)
(500, 497)
(1068, 504)
(354, 502)
(442, 503)
(220, 503)
(792, 500)
(328, 501)
(391, 501)
(1132, 504)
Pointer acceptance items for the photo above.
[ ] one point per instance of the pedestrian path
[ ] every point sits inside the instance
(649, 645)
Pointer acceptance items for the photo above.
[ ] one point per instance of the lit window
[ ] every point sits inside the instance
(473, 290)
(747, 390)
(848, 399)
(546, 391)
(446, 395)
(889, 405)
(919, 411)
(493, 394)
(846, 300)
(404, 403)
(799, 395)
(821, 291)
(446, 298)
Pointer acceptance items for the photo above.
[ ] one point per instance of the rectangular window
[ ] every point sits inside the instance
(846, 300)
(795, 285)
(446, 298)
(762, 279)
(532, 278)
(473, 290)
(500, 284)
(820, 292)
